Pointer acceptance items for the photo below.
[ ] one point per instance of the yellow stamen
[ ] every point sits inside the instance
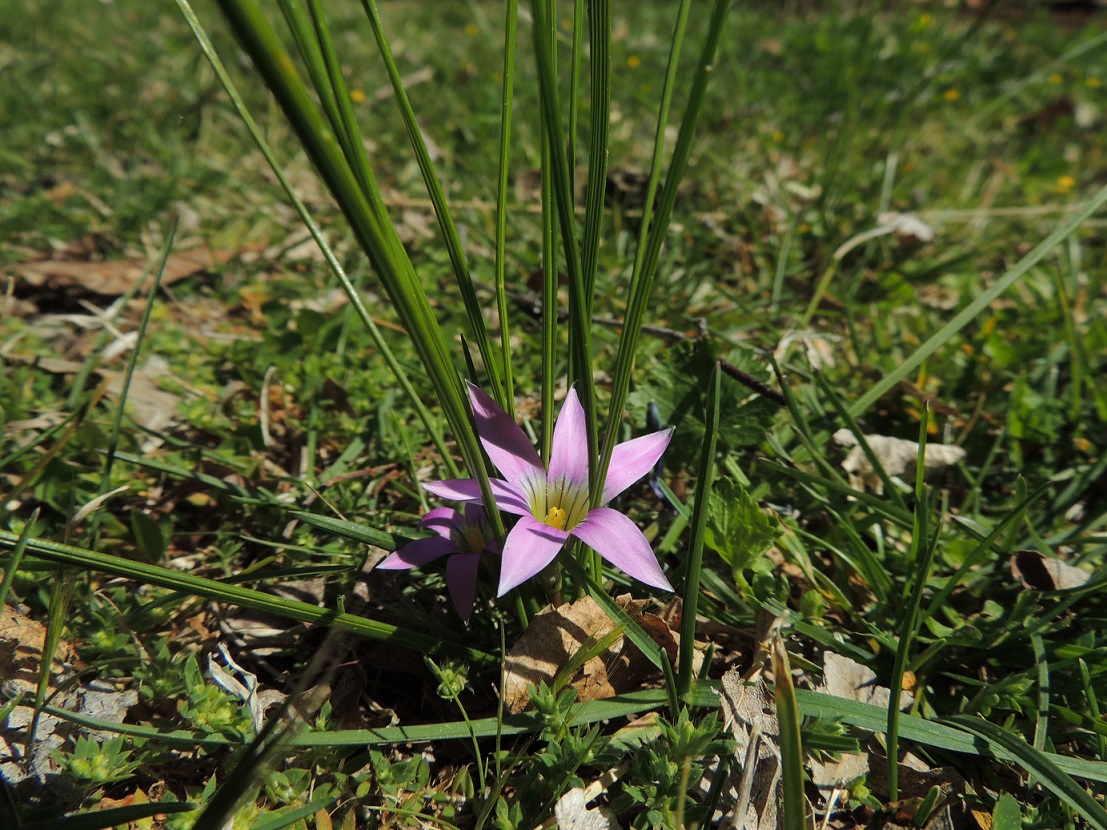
(556, 518)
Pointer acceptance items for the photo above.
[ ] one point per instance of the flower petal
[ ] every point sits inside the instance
(441, 520)
(461, 578)
(569, 448)
(633, 459)
(417, 553)
(509, 498)
(618, 540)
(529, 547)
(474, 514)
(506, 444)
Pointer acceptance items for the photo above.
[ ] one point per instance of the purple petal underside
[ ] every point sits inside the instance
(633, 459)
(461, 578)
(474, 514)
(618, 540)
(506, 444)
(569, 448)
(417, 553)
(509, 498)
(441, 520)
(529, 547)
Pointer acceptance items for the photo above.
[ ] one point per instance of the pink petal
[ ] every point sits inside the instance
(529, 547)
(506, 444)
(633, 459)
(441, 520)
(417, 553)
(509, 498)
(474, 514)
(569, 448)
(461, 578)
(618, 540)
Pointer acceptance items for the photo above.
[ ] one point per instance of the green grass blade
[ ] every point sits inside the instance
(969, 313)
(442, 210)
(352, 530)
(511, 26)
(1011, 520)
(593, 711)
(375, 234)
(599, 105)
(922, 552)
(1038, 764)
(621, 618)
(111, 817)
(16, 557)
(791, 746)
(237, 595)
(655, 229)
(580, 324)
(352, 294)
(294, 816)
(685, 670)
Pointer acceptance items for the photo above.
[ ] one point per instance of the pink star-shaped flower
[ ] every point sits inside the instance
(554, 504)
(461, 536)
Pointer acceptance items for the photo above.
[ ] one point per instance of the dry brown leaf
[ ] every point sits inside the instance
(21, 643)
(848, 679)
(110, 279)
(1043, 573)
(750, 711)
(896, 455)
(555, 635)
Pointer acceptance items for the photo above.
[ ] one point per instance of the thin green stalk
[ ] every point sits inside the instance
(61, 592)
(549, 283)
(352, 293)
(376, 235)
(132, 362)
(654, 230)
(1089, 695)
(574, 86)
(511, 21)
(599, 39)
(791, 746)
(580, 340)
(446, 222)
(685, 668)
(69, 555)
(923, 553)
(16, 558)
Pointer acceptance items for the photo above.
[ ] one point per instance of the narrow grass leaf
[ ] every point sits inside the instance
(1038, 764)
(621, 618)
(580, 323)
(111, 817)
(237, 595)
(511, 21)
(352, 293)
(599, 105)
(375, 233)
(930, 733)
(442, 211)
(922, 552)
(685, 669)
(791, 746)
(655, 230)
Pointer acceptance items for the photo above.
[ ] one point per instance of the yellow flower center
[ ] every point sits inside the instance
(556, 517)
